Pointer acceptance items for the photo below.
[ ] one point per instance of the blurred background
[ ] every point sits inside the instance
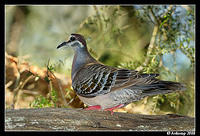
(148, 38)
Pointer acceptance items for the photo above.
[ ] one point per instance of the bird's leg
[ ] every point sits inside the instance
(95, 107)
(111, 109)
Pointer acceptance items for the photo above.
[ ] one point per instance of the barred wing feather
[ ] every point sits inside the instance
(95, 78)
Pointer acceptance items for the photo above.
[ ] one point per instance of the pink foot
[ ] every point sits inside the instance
(111, 109)
(96, 107)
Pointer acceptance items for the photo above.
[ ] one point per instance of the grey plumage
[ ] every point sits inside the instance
(98, 84)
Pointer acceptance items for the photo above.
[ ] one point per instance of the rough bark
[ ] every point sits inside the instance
(77, 119)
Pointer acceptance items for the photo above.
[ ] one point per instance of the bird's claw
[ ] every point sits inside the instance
(111, 109)
(98, 107)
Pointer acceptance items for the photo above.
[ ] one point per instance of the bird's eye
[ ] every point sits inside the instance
(72, 38)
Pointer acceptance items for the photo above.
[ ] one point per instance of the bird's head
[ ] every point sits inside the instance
(75, 40)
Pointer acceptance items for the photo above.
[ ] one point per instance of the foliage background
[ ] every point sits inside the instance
(152, 39)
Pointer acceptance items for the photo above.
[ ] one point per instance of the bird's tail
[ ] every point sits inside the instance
(161, 87)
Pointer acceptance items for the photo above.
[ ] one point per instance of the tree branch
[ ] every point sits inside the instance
(79, 119)
(150, 48)
(153, 38)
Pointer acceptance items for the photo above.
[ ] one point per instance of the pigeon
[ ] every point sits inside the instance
(104, 87)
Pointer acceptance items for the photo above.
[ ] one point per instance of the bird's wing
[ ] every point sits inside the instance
(94, 79)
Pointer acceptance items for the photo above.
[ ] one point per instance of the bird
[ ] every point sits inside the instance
(103, 87)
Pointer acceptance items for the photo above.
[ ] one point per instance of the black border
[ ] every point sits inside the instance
(92, 2)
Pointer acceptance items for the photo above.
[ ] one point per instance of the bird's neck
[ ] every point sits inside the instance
(81, 58)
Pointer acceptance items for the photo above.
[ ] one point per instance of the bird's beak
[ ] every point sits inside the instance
(63, 44)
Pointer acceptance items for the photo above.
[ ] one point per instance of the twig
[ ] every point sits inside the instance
(98, 15)
(150, 48)
(71, 100)
(59, 85)
(30, 92)
(192, 58)
(17, 91)
(152, 42)
(9, 84)
(154, 17)
(169, 71)
(31, 76)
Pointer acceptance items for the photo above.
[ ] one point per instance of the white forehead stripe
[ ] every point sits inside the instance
(81, 45)
(76, 42)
